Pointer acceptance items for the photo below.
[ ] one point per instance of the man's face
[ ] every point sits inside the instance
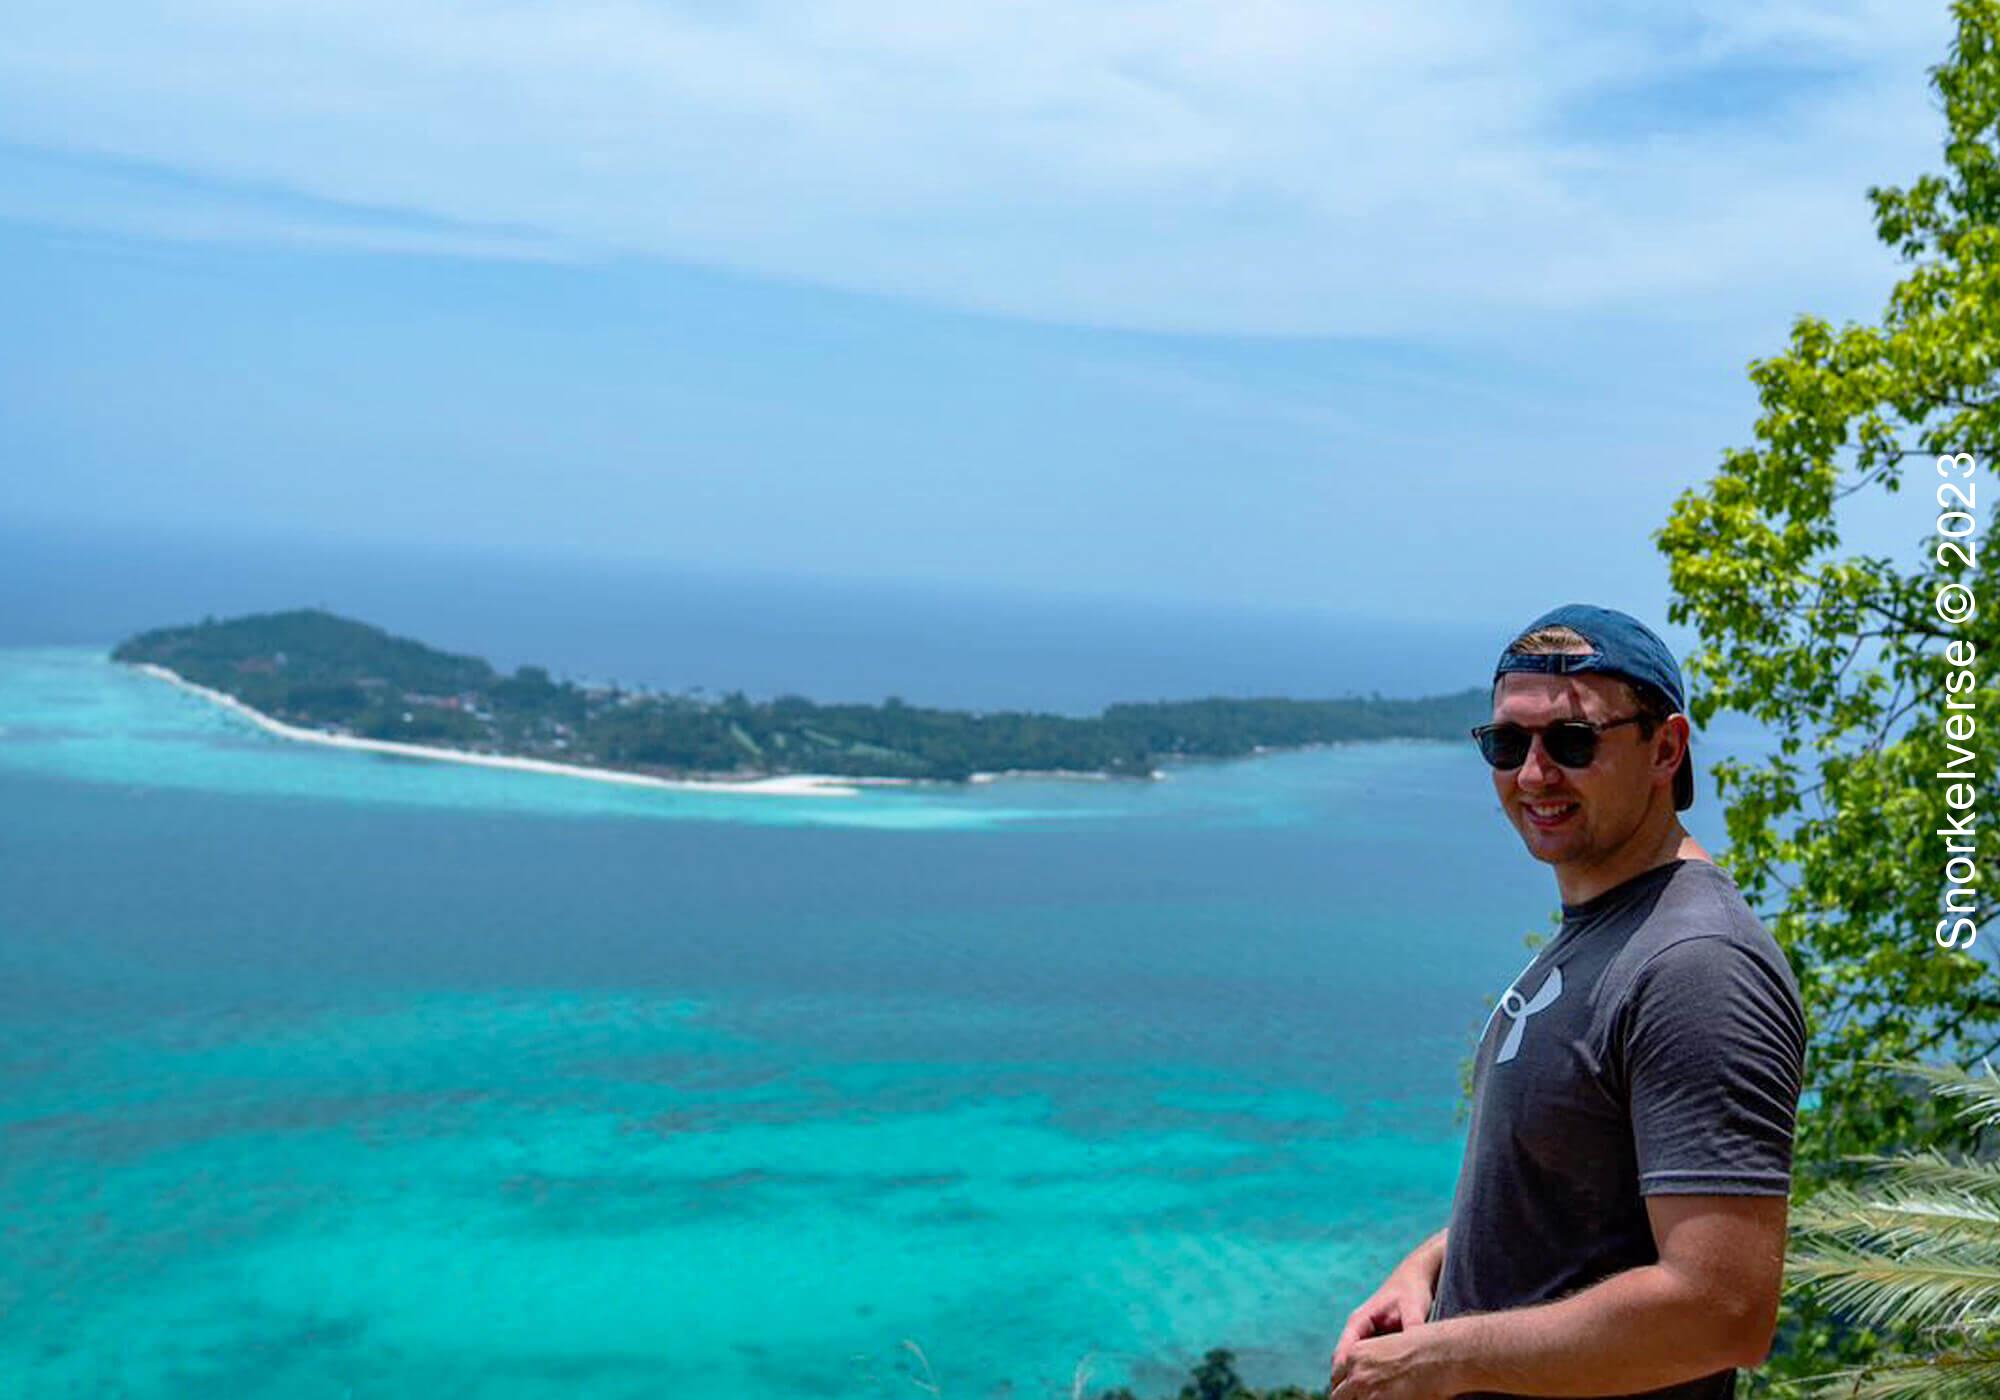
(1574, 816)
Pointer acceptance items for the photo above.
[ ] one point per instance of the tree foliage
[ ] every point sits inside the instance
(1840, 653)
(1843, 654)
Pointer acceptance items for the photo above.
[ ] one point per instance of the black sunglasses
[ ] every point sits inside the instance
(1570, 743)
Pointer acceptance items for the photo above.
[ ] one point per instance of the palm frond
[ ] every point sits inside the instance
(1920, 1250)
(1901, 1217)
(1932, 1169)
(1936, 1290)
(1979, 1093)
(1972, 1375)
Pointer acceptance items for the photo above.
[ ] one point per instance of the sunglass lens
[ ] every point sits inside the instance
(1571, 744)
(1505, 745)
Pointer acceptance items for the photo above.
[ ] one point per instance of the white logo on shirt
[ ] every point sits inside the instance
(1519, 1009)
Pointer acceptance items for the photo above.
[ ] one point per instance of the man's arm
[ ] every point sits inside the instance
(1402, 1302)
(1424, 1262)
(1710, 1303)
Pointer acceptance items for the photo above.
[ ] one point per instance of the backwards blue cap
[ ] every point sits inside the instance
(1621, 645)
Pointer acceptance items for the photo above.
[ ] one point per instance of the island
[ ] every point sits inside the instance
(309, 673)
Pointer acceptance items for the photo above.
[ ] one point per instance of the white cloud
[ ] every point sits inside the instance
(1270, 166)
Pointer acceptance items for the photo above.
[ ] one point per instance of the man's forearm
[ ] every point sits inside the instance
(1638, 1330)
(1426, 1259)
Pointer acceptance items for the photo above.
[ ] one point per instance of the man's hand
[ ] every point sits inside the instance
(1708, 1304)
(1402, 1302)
(1393, 1367)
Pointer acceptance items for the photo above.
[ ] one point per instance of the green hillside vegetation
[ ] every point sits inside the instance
(317, 670)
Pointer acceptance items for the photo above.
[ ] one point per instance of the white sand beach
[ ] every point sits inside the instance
(787, 785)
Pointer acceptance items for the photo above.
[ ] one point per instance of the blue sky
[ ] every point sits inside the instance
(1386, 309)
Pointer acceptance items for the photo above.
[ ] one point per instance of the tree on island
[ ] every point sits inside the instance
(1844, 655)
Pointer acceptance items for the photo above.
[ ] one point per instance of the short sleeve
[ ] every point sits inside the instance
(1714, 1055)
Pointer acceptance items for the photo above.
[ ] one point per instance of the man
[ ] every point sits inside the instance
(1619, 1222)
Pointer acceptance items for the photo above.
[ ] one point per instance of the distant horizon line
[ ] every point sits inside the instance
(181, 537)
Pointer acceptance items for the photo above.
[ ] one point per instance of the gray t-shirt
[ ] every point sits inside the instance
(1654, 1046)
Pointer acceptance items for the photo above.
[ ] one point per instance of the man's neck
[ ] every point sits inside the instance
(1651, 847)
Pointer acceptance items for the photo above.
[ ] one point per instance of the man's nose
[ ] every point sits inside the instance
(1537, 770)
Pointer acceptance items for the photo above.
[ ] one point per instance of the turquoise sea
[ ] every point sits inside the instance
(328, 1074)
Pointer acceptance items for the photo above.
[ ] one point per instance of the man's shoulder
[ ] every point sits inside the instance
(1700, 915)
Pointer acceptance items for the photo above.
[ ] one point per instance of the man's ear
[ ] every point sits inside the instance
(1678, 727)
